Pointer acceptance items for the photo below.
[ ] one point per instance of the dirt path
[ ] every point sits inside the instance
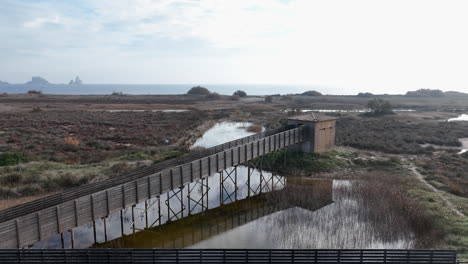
(419, 176)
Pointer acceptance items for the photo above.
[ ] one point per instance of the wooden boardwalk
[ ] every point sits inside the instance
(23, 225)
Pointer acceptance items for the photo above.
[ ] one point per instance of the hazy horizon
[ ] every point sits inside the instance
(177, 88)
(348, 47)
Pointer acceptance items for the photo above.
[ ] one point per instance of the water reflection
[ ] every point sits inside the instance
(304, 213)
(223, 132)
(220, 189)
(346, 223)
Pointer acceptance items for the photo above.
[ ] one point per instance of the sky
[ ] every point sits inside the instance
(376, 46)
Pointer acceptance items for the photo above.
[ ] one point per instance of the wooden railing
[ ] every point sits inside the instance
(228, 256)
(74, 193)
(39, 224)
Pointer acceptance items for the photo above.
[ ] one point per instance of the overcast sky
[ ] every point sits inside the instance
(378, 46)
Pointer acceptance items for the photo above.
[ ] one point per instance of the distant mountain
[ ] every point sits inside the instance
(38, 81)
(3, 83)
(77, 81)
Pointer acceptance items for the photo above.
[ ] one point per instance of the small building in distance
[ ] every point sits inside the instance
(320, 130)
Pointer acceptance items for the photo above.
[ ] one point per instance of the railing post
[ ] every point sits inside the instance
(248, 181)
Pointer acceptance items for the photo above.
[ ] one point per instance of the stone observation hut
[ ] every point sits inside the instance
(320, 130)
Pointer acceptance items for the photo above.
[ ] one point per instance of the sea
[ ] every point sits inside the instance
(164, 89)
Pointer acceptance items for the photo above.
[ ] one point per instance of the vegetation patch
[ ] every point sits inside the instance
(12, 158)
(449, 171)
(394, 136)
(285, 161)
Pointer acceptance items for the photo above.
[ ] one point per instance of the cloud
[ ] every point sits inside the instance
(339, 42)
(41, 21)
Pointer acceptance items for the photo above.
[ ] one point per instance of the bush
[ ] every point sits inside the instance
(11, 179)
(365, 95)
(284, 161)
(28, 190)
(199, 90)
(380, 107)
(12, 158)
(425, 93)
(255, 128)
(70, 144)
(234, 98)
(67, 180)
(312, 93)
(240, 93)
(72, 141)
(214, 96)
(36, 110)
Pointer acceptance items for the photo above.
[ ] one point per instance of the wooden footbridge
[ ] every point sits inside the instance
(23, 225)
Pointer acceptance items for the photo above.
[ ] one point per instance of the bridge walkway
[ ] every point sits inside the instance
(24, 225)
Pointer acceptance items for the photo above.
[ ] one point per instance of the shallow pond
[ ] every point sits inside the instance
(341, 224)
(140, 111)
(280, 219)
(462, 149)
(344, 111)
(223, 132)
(463, 117)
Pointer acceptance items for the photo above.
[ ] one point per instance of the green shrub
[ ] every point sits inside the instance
(11, 179)
(240, 93)
(63, 181)
(31, 189)
(214, 96)
(311, 162)
(198, 90)
(6, 192)
(12, 158)
(312, 93)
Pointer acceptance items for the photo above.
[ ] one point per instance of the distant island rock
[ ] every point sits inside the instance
(77, 81)
(3, 83)
(38, 81)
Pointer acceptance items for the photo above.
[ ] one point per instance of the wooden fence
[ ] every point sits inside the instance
(32, 227)
(228, 256)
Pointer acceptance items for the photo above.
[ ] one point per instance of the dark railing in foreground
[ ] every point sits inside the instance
(8, 256)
